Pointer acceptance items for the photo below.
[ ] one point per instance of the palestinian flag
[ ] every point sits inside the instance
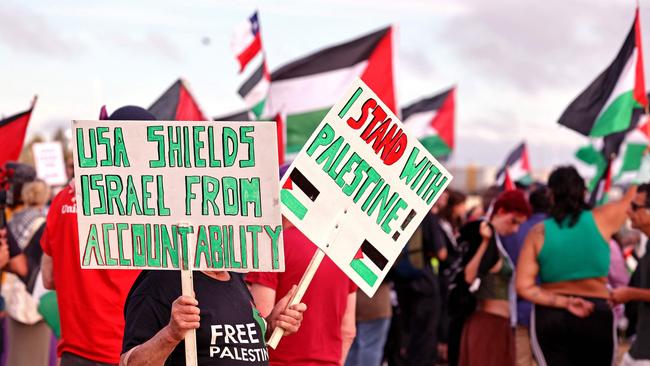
(12, 130)
(432, 121)
(368, 263)
(247, 46)
(632, 145)
(177, 104)
(298, 194)
(508, 184)
(605, 107)
(307, 88)
(517, 166)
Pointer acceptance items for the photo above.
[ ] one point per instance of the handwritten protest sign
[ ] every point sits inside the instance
(49, 162)
(137, 182)
(361, 186)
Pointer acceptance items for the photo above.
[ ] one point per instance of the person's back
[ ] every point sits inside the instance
(90, 301)
(319, 341)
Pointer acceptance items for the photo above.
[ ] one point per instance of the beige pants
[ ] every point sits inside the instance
(29, 345)
(524, 354)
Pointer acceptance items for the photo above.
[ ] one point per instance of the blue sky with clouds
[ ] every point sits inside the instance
(517, 63)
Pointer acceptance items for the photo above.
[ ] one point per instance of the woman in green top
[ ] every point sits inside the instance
(571, 322)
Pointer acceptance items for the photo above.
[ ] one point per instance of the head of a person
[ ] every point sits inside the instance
(540, 201)
(639, 210)
(488, 197)
(510, 210)
(35, 193)
(567, 193)
(454, 210)
(131, 113)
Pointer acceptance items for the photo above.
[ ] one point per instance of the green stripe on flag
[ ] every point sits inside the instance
(259, 108)
(616, 117)
(292, 203)
(363, 271)
(435, 145)
(301, 126)
(350, 102)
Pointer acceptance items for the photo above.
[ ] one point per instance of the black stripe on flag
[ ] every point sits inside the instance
(253, 80)
(304, 184)
(332, 58)
(374, 255)
(426, 105)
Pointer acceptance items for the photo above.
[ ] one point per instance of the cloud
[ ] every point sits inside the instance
(26, 31)
(537, 45)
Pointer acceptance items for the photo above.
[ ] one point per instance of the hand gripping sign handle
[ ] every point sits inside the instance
(187, 285)
(300, 292)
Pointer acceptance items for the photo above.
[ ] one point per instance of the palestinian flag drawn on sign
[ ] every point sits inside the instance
(432, 121)
(307, 88)
(368, 263)
(12, 130)
(298, 194)
(518, 166)
(606, 106)
(247, 46)
(177, 104)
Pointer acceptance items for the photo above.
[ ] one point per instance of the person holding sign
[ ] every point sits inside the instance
(487, 337)
(230, 330)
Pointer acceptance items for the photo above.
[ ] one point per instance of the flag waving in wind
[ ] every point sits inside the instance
(12, 132)
(247, 46)
(517, 166)
(606, 106)
(177, 104)
(432, 121)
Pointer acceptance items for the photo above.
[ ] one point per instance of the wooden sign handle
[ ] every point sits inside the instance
(300, 292)
(187, 286)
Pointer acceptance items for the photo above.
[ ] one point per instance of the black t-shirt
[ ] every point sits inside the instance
(640, 349)
(231, 332)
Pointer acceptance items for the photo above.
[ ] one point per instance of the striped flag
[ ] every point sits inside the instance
(606, 106)
(368, 263)
(247, 46)
(307, 88)
(12, 130)
(298, 194)
(517, 166)
(177, 104)
(432, 121)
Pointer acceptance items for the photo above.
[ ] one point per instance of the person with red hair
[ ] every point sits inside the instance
(487, 337)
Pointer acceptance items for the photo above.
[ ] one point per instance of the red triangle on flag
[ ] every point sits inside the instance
(443, 122)
(508, 184)
(280, 125)
(359, 254)
(288, 184)
(177, 104)
(639, 78)
(379, 72)
(12, 130)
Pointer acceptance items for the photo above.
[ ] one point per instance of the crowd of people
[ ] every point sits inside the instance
(531, 276)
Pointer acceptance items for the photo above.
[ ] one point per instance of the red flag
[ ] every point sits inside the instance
(12, 130)
(280, 125)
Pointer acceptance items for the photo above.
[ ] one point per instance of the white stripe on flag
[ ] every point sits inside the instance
(419, 124)
(242, 37)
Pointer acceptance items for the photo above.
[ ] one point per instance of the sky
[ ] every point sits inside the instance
(517, 63)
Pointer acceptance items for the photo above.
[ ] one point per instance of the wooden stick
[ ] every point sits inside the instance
(187, 285)
(300, 292)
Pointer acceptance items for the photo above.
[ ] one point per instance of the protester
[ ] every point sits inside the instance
(90, 300)
(229, 328)
(572, 322)
(540, 203)
(487, 337)
(639, 214)
(29, 336)
(328, 329)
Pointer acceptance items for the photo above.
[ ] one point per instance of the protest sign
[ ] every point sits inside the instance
(172, 195)
(361, 186)
(49, 162)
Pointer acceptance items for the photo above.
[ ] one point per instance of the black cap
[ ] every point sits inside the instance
(131, 113)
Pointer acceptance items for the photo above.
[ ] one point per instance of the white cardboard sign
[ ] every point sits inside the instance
(137, 182)
(49, 162)
(361, 185)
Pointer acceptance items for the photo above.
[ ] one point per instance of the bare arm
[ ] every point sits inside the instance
(47, 272)
(155, 351)
(264, 298)
(612, 216)
(527, 271)
(18, 265)
(348, 325)
(626, 294)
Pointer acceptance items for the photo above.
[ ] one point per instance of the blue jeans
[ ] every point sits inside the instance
(368, 346)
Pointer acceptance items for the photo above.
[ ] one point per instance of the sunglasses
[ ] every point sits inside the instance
(635, 206)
